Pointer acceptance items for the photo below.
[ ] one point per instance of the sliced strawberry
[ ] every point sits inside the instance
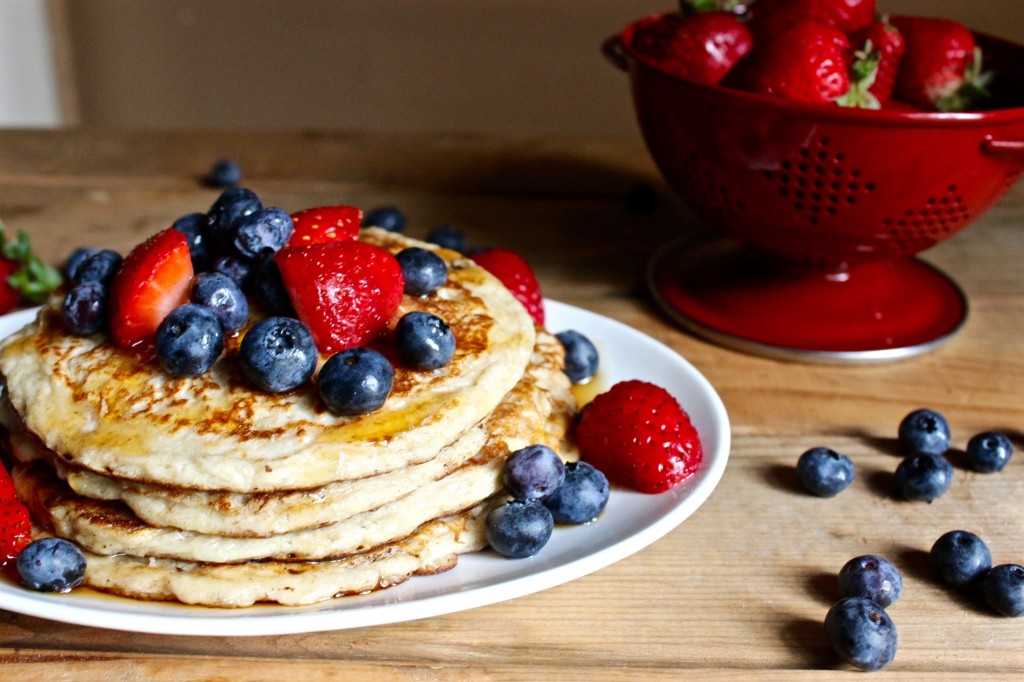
(346, 292)
(325, 224)
(15, 527)
(637, 434)
(153, 280)
(517, 276)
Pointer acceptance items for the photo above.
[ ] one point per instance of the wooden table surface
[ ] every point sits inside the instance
(743, 584)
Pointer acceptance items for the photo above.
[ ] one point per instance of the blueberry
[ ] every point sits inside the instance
(236, 268)
(77, 257)
(356, 381)
(278, 354)
(194, 227)
(265, 230)
(824, 472)
(189, 340)
(99, 267)
(519, 529)
(84, 311)
(225, 173)
(581, 497)
(224, 297)
(989, 452)
(232, 205)
(448, 237)
(424, 271)
(1003, 589)
(389, 218)
(51, 565)
(269, 288)
(862, 633)
(924, 431)
(424, 340)
(533, 472)
(872, 577)
(923, 477)
(960, 558)
(581, 357)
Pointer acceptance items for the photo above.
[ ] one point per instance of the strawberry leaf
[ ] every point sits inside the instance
(33, 279)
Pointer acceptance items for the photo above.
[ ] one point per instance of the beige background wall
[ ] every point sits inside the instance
(530, 66)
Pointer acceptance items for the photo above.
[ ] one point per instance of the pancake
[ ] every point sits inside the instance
(432, 548)
(103, 410)
(536, 411)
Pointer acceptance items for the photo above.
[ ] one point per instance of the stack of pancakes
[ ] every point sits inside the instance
(207, 491)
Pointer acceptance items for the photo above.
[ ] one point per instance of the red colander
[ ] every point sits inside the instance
(820, 210)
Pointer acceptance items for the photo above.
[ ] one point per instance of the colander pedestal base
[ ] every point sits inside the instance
(876, 311)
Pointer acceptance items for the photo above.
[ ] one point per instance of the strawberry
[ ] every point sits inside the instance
(846, 16)
(346, 292)
(637, 434)
(517, 276)
(153, 280)
(22, 275)
(15, 528)
(325, 224)
(699, 47)
(805, 61)
(876, 64)
(941, 66)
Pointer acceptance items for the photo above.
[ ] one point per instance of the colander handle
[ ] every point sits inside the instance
(613, 52)
(1006, 149)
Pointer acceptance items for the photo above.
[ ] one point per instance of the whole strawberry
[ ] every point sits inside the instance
(637, 434)
(846, 16)
(805, 61)
(879, 53)
(697, 46)
(23, 277)
(941, 68)
(346, 292)
(517, 276)
(15, 528)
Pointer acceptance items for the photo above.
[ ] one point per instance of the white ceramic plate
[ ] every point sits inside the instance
(631, 522)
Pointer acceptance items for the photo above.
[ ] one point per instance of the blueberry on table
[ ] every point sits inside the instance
(84, 311)
(960, 558)
(224, 297)
(424, 340)
(77, 257)
(923, 477)
(99, 267)
(989, 452)
(189, 340)
(278, 354)
(225, 173)
(926, 431)
(356, 381)
(51, 565)
(582, 496)
(448, 237)
(533, 472)
(862, 633)
(1003, 589)
(581, 356)
(263, 231)
(824, 472)
(519, 529)
(872, 577)
(425, 272)
(389, 218)
(232, 205)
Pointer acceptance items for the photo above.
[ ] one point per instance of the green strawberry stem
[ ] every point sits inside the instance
(863, 73)
(33, 279)
(688, 7)
(973, 89)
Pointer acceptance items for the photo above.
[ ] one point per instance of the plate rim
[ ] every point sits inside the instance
(207, 621)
